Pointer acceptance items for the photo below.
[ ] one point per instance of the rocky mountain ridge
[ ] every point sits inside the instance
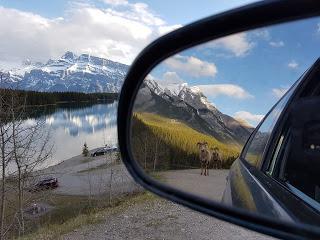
(83, 73)
(190, 105)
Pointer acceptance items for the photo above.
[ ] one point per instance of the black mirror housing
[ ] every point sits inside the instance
(245, 18)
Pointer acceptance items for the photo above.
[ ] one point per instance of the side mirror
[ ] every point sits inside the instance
(178, 144)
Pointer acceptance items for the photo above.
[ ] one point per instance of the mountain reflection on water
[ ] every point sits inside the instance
(84, 120)
(73, 125)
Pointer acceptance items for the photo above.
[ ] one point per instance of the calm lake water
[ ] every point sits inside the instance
(72, 125)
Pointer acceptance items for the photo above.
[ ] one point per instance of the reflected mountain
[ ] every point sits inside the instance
(73, 124)
(88, 119)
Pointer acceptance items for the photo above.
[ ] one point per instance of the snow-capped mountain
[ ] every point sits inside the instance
(190, 105)
(83, 73)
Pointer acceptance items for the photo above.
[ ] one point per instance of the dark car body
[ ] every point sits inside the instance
(103, 151)
(47, 183)
(274, 175)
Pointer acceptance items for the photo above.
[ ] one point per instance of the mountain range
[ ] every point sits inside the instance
(191, 106)
(86, 73)
(83, 73)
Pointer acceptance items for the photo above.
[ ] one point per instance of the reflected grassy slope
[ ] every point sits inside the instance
(163, 143)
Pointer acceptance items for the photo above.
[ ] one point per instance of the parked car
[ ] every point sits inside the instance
(47, 183)
(104, 150)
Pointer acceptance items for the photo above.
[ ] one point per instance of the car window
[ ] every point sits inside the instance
(258, 141)
(299, 159)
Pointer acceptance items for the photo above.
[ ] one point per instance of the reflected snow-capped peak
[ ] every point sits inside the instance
(88, 119)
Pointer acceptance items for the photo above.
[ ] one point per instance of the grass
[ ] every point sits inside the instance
(182, 138)
(66, 221)
(68, 212)
(157, 176)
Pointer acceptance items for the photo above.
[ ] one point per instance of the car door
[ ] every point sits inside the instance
(254, 181)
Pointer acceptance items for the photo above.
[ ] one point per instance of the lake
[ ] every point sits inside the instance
(71, 125)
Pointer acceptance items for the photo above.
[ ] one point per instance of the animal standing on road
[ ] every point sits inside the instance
(216, 158)
(205, 157)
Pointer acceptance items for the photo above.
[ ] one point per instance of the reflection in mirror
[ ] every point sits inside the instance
(196, 110)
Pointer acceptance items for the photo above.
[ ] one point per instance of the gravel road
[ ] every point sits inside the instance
(161, 219)
(190, 180)
(83, 176)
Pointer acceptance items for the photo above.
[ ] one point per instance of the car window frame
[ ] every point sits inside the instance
(244, 151)
(282, 129)
(280, 126)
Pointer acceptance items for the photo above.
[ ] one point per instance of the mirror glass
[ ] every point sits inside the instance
(196, 110)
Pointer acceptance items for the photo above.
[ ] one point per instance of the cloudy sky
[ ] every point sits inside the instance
(243, 75)
(114, 29)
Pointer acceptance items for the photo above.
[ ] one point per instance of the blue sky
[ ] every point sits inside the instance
(114, 29)
(243, 75)
(168, 10)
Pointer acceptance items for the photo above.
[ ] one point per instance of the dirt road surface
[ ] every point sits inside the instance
(210, 187)
(83, 176)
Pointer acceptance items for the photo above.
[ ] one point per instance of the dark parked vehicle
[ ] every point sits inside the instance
(47, 183)
(103, 151)
(279, 166)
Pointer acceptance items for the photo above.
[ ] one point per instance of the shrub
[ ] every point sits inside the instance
(85, 150)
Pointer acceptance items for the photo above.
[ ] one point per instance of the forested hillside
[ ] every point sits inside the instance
(161, 143)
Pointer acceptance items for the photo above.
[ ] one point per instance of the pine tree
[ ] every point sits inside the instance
(85, 150)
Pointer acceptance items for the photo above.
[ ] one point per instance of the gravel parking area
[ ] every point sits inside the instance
(94, 176)
(161, 219)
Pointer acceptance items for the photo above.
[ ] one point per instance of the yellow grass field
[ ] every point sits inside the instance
(182, 137)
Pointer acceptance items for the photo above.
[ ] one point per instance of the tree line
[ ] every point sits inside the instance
(163, 144)
(32, 98)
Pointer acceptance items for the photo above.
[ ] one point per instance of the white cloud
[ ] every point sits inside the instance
(170, 78)
(165, 29)
(139, 12)
(276, 44)
(192, 65)
(263, 34)
(279, 92)
(230, 90)
(248, 117)
(116, 2)
(117, 33)
(293, 64)
(238, 44)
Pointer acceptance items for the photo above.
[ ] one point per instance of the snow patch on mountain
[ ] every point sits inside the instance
(191, 105)
(191, 95)
(83, 73)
